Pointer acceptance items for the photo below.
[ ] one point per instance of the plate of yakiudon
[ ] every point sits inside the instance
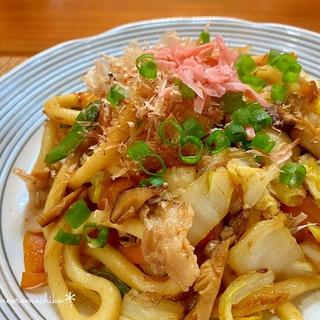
(165, 169)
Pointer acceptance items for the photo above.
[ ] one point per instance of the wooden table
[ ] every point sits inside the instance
(30, 26)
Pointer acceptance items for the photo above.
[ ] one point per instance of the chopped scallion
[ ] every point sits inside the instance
(204, 37)
(260, 119)
(292, 174)
(263, 142)
(141, 151)
(245, 65)
(170, 132)
(193, 128)
(137, 150)
(116, 94)
(241, 116)
(76, 135)
(292, 73)
(100, 240)
(254, 82)
(232, 101)
(146, 66)
(278, 92)
(122, 286)
(148, 70)
(186, 92)
(287, 63)
(273, 56)
(217, 141)
(154, 181)
(152, 158)
(77, 213)
(194, 148)
(68, 238)
(284, 61)
(235, 132)
(251, 106)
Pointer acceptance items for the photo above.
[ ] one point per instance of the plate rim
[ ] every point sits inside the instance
(128, 25)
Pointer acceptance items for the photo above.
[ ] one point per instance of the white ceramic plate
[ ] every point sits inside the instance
(57, 71)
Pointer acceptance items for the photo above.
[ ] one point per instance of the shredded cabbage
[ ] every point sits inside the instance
(240, 288)
(139, 306)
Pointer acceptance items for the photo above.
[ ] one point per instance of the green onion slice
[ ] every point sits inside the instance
(254, 82)
(100, 240)
(67, 238)
(170, 132)
(232, 101)
(143, 58)
(194, 143)
(77, 213)
(146, 66)
(263, 142)
(77, 133)
(251, 106)
(193, 128)
(292, 73)
(116, 94)
(122, 286)
(245, 65)
(154, 181)
(241, 116)
(235, 132)
(186, 92)
(141, 151)
(292, 174)
(260, 119)
(204, 37)
(152, 158)
(137, 150)
(273, 56)
(217, 141)
(278, 92)
(284, 61)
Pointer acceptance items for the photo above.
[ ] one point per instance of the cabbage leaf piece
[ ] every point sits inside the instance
(252, 180)
(240, 288)
(269, 297)
(210, 197)
(142, 306)
(312, 180)
(269, 244)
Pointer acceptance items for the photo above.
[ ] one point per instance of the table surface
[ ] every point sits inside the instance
(31, 26)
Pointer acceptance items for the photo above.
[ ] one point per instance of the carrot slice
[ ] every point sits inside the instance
(133, 253)
(31, 280)
(308, 206)
(33, 249)
(311, 209)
